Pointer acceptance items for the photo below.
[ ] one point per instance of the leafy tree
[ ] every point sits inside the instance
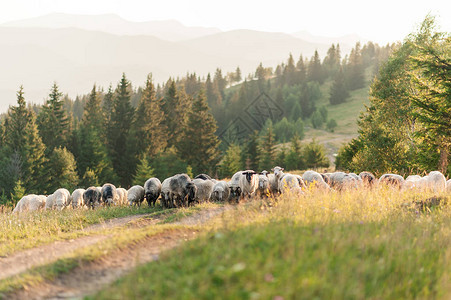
(53, 121)
(199, 145)
(338, 93)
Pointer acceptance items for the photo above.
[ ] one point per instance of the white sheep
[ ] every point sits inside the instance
(448, 186)
(274, 179)
(392, 179)
(122, 196)
(292, 183)
(204, 189)
(135, 195)
(221, 191)
(77, 198)
(59, 199)
(264, 188)
(234, 187)
(436, 181)
(30, 202)
(314, 178)
(248, 183)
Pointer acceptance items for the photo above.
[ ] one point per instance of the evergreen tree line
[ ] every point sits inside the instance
(407, 126)
(125, 135)
(45, 148)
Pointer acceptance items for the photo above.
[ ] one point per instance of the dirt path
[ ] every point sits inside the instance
(19, 262)
(92, 277)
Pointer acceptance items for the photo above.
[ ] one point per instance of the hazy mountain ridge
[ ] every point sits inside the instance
(170, 30)
(77, 58)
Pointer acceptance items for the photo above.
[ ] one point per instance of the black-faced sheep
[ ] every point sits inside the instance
(183, 190)
(135, 195)
(248, 183)
(109, 194)
(152, 190)
(91, 197)
(203, 177)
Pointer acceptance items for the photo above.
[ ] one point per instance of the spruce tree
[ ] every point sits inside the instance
(315, 155)
(148, 130)
(22, 142)
(199, 145)
(250, 153)
(338, 93)
(53, 121)
(231, 162)
(315, 69)
(355, 69)
(118, 132)
(91, 153)
(294, 159)
(143, 172)
(267, 150)
(61, 171)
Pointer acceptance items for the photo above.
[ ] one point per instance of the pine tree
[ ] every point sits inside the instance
(61, 170)
(289, 73)
(107, 108)
(214, 96)
(118, 132)
(315, 155)
(175, 107)
(301, 70)
(338, 93)
(250, 153)
(267, 150)
(238, 76)
(148, 131)
(199, 145)
(231, 162)
(315, 70)
(17, 194)
(355, 70)
(90, 152)
(143, 172)
(53, 121)
(22, 142)
(294, 159)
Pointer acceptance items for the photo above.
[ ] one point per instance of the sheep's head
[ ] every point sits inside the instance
(278, 171)
(249, 175)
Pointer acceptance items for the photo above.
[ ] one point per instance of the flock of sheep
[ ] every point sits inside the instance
(180, 190)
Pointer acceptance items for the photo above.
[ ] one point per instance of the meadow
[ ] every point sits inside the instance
(366, 244)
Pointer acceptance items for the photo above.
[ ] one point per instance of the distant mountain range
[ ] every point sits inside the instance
(78, 51)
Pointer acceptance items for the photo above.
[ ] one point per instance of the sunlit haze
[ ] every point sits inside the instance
(382, 21)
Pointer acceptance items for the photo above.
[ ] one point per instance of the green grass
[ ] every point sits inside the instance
(353, 245)
(29, 230)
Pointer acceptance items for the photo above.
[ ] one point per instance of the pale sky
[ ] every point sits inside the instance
(380, 21)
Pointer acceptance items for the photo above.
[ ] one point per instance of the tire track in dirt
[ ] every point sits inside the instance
(19, 262)
(92, 277)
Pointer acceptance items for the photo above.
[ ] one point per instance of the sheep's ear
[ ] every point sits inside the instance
(272, 169)
(281, 169)
(244, 173)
